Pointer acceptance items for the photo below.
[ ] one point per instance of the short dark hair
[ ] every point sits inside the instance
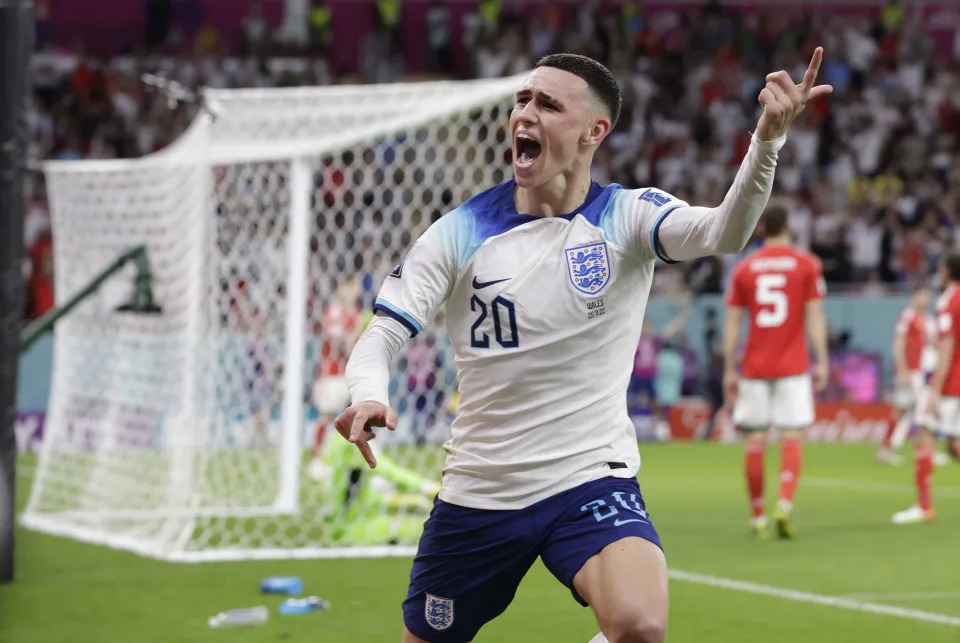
(601, 80)
(775, 219)
(952, 263)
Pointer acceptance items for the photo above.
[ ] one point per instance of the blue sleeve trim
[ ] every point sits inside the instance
(388, 309)
(655, 236)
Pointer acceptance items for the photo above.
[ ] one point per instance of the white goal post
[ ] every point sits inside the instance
(187, 435)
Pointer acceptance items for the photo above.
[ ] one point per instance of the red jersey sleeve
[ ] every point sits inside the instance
(737, 293)
(816, 285)
(947, 319)
(946, 324)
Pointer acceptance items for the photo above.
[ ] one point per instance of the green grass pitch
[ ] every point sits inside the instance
(72, 592)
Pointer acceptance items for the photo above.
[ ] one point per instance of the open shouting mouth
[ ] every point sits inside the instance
(528, 151)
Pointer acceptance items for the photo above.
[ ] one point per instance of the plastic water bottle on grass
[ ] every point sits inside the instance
(241, 617)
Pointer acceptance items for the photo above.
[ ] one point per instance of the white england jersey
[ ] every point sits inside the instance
(544, 315)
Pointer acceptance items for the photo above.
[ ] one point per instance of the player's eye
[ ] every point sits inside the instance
(523, 101)
(550, 106)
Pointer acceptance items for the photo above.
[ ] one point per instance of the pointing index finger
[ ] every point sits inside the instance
(810, 76)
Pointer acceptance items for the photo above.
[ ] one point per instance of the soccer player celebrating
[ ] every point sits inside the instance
(545, 280)
(780, 288)
(910, 341)
(939, 403)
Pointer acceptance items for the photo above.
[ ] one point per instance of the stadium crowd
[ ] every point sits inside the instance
(873, 173)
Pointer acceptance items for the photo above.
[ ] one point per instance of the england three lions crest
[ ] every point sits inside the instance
(589, 267)
(438, 612)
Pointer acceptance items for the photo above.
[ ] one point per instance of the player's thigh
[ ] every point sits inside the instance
(626, 586)
(921, 414)
(752, 408)
(604, 548)
(792, 402)
(466, 571)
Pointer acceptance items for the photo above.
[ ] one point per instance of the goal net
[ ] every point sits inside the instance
(197, 433)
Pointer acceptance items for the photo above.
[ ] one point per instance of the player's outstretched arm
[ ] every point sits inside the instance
(731, 338)
(368, 378)
(691, 232)
(816, 321)
(900, 369)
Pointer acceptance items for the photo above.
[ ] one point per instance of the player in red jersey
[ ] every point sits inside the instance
(780, 288)
(911, 339)
(940, 402)
(340, 327)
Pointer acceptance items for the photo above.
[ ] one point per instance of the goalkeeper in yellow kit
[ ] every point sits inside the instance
(367, 508)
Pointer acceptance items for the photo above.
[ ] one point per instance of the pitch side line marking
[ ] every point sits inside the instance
(905, 596)
(818, 599)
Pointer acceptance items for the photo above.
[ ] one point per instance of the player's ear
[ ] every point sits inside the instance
(597, 132)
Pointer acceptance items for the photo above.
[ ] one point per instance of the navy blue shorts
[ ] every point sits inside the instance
(470, 561)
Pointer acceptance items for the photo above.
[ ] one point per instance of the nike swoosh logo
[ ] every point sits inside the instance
(483, 284)
(619, 522)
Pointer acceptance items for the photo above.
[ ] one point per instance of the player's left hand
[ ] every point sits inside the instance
(783, 100)
(821, 375)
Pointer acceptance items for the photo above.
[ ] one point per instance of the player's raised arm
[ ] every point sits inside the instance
(407, 301)
(736, 301)
(691, 232)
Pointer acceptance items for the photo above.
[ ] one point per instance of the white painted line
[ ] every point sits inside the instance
(908, 596)
(870, 486)
(818, 599)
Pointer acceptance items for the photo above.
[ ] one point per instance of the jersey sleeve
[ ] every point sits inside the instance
(737, 295)
(417, 287)
(945, 323)
(816, 284)
(635, 218)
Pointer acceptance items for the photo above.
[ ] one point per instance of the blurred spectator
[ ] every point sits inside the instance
(438, 36)
(873, 173)
(40, 284)
(256, 32)
(321, 27)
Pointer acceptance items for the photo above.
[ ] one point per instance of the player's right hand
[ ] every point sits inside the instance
(355, 424)
(730, 386)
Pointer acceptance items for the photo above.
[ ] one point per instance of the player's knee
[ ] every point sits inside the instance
(926, 438)
(637, 628)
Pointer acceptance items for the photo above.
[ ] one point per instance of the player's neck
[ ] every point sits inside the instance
(776, 242)
(561, 195)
